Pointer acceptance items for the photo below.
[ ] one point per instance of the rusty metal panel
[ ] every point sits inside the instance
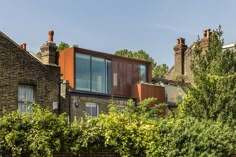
(66, 62)
(127, 75)
(142, 91)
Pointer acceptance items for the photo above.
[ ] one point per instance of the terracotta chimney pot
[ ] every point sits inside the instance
(50, 36)
(207, 33)
(23, 46)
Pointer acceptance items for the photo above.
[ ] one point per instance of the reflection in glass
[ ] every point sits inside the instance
(143, 73)
(98, 75)
(82, 72)
(93, 74)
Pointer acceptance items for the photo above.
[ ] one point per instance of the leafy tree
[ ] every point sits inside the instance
(75, 45)
(213, 94)
(187, 137)
(62, 46)
(124, 53)
(158, 71)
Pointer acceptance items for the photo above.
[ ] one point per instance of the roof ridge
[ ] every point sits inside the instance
(27, 52)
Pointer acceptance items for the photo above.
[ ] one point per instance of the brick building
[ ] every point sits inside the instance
(25, 79)
(96, 79)
(181, 70)
(91, 79)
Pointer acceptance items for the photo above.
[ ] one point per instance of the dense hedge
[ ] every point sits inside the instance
(130, 133)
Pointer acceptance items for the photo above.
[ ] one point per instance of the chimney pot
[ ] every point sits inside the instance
(23, 46)
(177, 42)
(180, 41)
(206, 33)
(50, 36)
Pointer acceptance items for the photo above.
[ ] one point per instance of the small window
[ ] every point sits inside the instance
(25, 98)
(92, 109)
(143, 73)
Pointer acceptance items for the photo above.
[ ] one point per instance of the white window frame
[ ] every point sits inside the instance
(91, 105)
(24, 101)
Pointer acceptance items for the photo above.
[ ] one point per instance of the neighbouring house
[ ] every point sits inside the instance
(230, 46)
(180, 74)
(96, 79)
(181, 70)
(174, 92)
(24, 79)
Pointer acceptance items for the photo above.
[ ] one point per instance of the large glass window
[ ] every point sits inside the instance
(98, 75)
(83, 74)
(108, 76)
(93, 74)
(25, 98)
(143, 73)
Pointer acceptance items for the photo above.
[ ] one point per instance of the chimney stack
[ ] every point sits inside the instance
(23, 46)
(49, 50)
(205, 39)
(179, 49)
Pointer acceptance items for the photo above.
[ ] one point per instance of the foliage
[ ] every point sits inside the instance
(75, 45)
(39, 133)
(131, 132)
(117, 129)
(188, 137)
(158, 71)
(134, 133)
(62, 46)
(213, 93)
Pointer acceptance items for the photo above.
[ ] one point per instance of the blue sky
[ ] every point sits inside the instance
(110, 25)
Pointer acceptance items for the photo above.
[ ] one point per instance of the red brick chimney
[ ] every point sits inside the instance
(23, 46)
(49, 50)
(179, 49)
(205, 39)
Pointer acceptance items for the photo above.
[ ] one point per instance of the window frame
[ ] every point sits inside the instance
(91, 104)
(140, 72)
(25, 103)
(108, 71)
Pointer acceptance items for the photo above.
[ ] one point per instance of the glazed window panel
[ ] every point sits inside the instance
(93, 74)
(108, 76)
(143, 73)
(98, 75)
(83, 75)
(91, 109)
(25, 98)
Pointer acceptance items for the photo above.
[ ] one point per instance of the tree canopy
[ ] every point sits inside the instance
(212, 95)
(63, 45)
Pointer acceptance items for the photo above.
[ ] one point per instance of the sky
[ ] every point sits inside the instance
(111, 25)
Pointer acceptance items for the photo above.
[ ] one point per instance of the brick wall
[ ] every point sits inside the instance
(103, 102)
(17, 66)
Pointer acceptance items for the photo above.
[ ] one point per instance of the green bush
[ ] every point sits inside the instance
(40, 133)
(130, 133)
